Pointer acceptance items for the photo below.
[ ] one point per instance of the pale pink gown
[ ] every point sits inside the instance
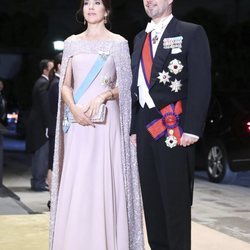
(91, 212)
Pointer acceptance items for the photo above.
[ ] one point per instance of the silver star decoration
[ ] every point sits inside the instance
(164, 77)
(175, 66)
(175, 86)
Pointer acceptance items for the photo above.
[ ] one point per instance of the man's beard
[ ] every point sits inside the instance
(152, 13)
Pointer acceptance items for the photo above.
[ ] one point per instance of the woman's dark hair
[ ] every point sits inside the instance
(79, 13)
(57, 60)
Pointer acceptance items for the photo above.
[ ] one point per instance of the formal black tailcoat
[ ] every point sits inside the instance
(167, 174)
(39, 116)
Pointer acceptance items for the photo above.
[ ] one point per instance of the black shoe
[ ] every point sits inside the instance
(40, 189)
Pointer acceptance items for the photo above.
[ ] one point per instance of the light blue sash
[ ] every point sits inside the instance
(95, 70)
(97, 67)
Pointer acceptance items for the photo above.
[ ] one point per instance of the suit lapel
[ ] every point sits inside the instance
(138, 49)
(161, 53)
(136, 61)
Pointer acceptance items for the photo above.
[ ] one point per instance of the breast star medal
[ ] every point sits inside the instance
(164, 77)
(175, 66)
(175, 86)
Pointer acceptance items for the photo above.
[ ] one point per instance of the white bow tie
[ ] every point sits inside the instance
(150, 27)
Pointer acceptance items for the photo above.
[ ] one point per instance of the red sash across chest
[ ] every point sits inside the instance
(147, 58)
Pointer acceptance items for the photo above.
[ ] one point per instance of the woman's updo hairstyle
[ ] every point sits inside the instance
(79, 14)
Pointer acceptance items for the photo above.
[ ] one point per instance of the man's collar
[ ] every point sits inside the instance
(162, 24)
(45, 77)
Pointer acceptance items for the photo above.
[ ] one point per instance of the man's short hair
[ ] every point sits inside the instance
(43, 65)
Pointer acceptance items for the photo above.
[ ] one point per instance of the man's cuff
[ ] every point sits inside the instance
(191, 135)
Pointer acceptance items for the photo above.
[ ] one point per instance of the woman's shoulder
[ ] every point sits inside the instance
(72, 38)
(109, 37)
(117, 38)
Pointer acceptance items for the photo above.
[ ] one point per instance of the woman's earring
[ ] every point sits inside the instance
(105, 19)
(84, 22)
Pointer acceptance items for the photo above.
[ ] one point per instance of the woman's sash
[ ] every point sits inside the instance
(94, 71)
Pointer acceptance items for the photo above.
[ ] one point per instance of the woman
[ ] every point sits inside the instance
(54, 77)
(98, 205)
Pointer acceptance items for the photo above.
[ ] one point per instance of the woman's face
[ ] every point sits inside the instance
(94, 11)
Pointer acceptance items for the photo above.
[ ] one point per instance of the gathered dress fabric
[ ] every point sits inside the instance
(96, 201)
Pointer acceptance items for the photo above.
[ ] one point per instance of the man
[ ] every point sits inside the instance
(37, 138)
(170, 96)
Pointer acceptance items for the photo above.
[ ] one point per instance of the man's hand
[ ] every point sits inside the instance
(133, 139)
(187, 140)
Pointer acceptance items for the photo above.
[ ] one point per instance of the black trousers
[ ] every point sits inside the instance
(166, 188)
(39, 166)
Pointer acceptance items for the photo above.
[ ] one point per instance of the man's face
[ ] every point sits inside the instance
(50, 65)
(156, 9)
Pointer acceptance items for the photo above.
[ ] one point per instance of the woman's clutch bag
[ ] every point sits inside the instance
(97, 118)
(101, 114)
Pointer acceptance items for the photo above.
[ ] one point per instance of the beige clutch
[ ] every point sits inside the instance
(101, 115)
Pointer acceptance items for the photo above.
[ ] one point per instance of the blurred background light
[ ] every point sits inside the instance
(58, 45)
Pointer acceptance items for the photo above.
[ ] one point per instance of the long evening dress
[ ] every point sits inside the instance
(93, 208)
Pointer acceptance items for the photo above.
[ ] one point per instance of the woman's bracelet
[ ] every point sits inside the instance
(112, 95)
(103, 99)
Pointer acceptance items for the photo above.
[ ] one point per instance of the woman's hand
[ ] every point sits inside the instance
(133, 139)
(92, 108)
(79, 115)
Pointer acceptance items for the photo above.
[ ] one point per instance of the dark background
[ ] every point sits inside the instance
(29, 27)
